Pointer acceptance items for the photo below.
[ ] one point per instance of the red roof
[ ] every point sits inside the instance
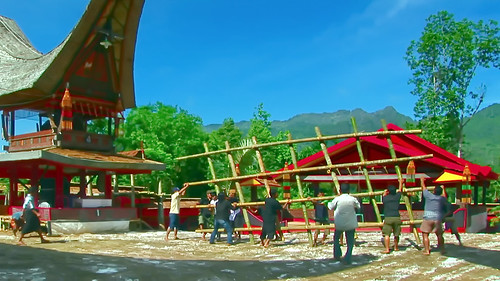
(407, 145)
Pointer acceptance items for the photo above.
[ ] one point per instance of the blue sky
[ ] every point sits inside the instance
(220, 59)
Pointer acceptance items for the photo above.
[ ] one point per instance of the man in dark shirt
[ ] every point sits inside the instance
(321, 218)
(269, 213)
(205, 214)
(392, 220)
(222, 210)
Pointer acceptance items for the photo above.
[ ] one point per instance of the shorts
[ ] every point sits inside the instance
(392, 225)
(323, 222)
(173, 221)
(202, 220)
(433, 226)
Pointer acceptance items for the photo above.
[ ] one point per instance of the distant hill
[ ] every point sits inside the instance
(302, 126)
(482, 136)
(482, 133)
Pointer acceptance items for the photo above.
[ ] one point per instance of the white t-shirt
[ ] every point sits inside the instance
(175, 203)
(29, 202)
(344, 214)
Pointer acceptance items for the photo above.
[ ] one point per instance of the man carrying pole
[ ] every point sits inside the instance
(175, 207)
(392, 220)
(434, 210)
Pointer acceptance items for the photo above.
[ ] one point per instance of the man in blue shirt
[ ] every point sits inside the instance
(434, 210)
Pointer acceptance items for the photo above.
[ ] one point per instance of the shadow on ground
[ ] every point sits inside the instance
(484, 257)
(27, 263)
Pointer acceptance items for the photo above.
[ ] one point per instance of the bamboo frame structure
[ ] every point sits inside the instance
(330, 226)
(312, 169)
(365, 172)
(211, 167)
(301, 191)
(329, 168)
(328, 160)
(238, 189)
(310, 199)
(288, 142)
(406, 199)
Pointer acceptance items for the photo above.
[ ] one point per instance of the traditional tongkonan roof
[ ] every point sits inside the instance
(407, 145)
(96, 59)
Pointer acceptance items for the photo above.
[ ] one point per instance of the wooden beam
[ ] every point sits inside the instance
(312, 169)
(289, 142)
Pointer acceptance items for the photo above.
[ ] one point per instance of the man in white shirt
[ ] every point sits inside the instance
(175, 207)
(345, 220)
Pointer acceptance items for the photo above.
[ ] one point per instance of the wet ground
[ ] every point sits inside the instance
(147, 256)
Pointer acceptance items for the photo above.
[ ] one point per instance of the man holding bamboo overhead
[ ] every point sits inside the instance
(345, 220)
(392, 220)
(175, 207)
(436, 206)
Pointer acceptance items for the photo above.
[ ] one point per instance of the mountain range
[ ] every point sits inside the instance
(482, 139)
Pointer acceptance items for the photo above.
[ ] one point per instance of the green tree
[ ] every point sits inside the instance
(274, 157)
(166, 132)
(227, 132)
(444, 61)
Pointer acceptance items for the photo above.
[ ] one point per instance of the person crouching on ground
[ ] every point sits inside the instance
(17, 222)
(175, 207)
(392, 220)
(434, 210)
(269, 214)
(345, 220)
(222, 211)
(31, 217)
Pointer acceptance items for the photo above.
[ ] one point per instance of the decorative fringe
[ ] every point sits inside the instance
(66, 112)
(410, 171)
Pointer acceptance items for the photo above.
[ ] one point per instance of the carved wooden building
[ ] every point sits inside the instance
(88, 76)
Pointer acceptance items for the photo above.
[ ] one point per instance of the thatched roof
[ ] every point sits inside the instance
(26, 75)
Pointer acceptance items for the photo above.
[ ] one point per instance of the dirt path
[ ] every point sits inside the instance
(146, 256)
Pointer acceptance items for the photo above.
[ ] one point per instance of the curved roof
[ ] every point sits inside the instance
(407, 145)
(26, 75)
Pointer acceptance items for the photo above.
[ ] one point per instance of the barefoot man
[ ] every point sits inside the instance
(31, 216)
(392, 220)
(434, 210)
(175, 206)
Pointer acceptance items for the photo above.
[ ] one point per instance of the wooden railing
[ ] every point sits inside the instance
(66, 139)
(32, 141)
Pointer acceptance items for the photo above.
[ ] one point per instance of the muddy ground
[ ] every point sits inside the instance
(147, 256)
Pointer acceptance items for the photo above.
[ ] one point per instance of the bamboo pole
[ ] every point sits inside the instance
(365, 171)
(328, 160)
(211, 167)
(132, 190)
(310, 199)
(312, 169)
(239, 190)
(313, 227)
(301, 191)
(289, 142)
(161, 212)
(261, 165)
(400, 177)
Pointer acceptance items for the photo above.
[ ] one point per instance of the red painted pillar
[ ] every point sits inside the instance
(83, 185)
(108, 188)
(59, 200)
(34, 180)
(13, 191)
